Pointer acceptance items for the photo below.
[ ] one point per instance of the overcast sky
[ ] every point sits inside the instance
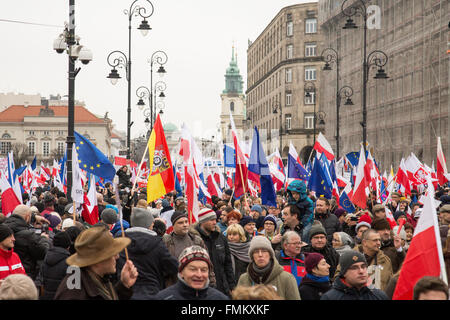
(197, 36)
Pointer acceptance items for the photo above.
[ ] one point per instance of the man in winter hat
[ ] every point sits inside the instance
(194, 266)
(9, 260)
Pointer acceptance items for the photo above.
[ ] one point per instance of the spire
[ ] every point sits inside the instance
(233, 78)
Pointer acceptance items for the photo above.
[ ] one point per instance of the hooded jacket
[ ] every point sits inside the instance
(340, 291)
(220, 255)
(347, 243)
(151, 259)
(305, 204)
(295, 266)
(283, 282)
(53, 270)
(30, 246)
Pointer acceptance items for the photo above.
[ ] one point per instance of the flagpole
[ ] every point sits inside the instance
(74, 212)
(116, 187)
(139, 171)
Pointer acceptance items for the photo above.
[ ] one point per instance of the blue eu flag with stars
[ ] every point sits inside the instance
(319, 182)
(93, 160)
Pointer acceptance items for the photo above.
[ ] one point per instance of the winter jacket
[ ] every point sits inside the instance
(283, 282)
(311, 289)
(340, 291)
(381, 260)
(329, 253)
(10, 263)
(395, 256)
(151, 259)
(181, 291)
(220, 256)
(30, 246)
(305, 204)
(239, 258)
(331, 224)
(88, 288)
(53, 270)
(124, 178)
(295, 266)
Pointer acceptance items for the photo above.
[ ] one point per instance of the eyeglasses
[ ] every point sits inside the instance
(260, 251)
(296, 243)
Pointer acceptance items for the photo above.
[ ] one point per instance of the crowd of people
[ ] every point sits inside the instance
(302, 248)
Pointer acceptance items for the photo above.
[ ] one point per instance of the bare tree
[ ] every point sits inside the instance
(20, 152)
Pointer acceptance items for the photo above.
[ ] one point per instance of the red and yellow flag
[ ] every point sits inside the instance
(161, 180)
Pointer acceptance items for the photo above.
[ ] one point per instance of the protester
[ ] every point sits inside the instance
(256, 214)
(9, 260)
(342, 242)
(194, 266)
(364, 223)
(351, 283)
(316, 281)
(297, 195)
(96, 256)
(150, 256)
(239, 246)
(249, 226)
(290, 256)
(430, 288)
(329, 221)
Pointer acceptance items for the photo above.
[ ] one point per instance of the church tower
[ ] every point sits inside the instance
(233, 100)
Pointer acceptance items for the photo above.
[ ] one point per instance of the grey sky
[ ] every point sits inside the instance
(197, 35)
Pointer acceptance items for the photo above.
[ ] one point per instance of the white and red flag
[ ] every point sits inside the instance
(402, 178)
(424, 256)
(441, 167)
(9, 198)
(240, 178)
(90, 206)
(359, 190)
(323, 146)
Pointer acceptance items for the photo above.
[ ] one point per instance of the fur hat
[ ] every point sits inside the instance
(312, 259)
(141, 217)
(68, 222)
(193, 253)
(348, 258)
(260, 242)
(381, 224)
(315, 230)
(206, 214)
(94, 245)
(378, 207)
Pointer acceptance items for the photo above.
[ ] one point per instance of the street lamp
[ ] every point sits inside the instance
(67, 41)
(159, 57)
(124, 61)
(309, 88)
(375, 58)
(344, 92)
(276, 107)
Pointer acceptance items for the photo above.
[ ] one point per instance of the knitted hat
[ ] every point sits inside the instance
(62, 240)
(229, 192)
(165, 203)
(53, 219)
(206, 214)
(377, 207)
(141, 217)
(109, 216)
(245, 220)
(398, 194)
(339, 212)
(260, 242)
(193, 253)
(68, 222)
(348, 258)
(398, 214)
(402, 232)
(270, 218)
(381, 224)
(177, 215)
(345, 238)
(315, 230)
(5, 232)
(257, 208)
(364, 220)
(312, 259)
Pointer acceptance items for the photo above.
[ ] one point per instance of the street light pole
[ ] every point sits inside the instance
(308, 88)
(161, 58)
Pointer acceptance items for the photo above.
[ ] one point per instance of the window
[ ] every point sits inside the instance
(31, 148)
(232, 106)
(288, 121)
(309, 121)
(5, 147)
(311, 99)
(31, 133)
(289, 75)
(311, 25)
(310, 73)
(288, 99)
(46, 148)
(60, 147)
(60, 132)
(289, 51)
(46, 133)
(290, 29)
(310, 50)
(6, 136)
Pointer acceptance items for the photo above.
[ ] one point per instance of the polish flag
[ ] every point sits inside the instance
(240, 180)
(424, 256)
(416, 171)
(323, 146)
(90, 206)
(213, 188)
(402, 177)
(9, 198)
(359, 190)
(229, 179)
(278, 177)
(442, 173)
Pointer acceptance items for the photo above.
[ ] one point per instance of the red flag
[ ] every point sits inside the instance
(424, 257)
(9, 198)
(359, 190)
(241, 174)
(90, 207)
(441, 168)
(119, 161)
(402, 177)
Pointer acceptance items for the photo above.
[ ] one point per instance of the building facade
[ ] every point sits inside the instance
(233, 101)
(409, 110)
(283, 65)
(42, 130)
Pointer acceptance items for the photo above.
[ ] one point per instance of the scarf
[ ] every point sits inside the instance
(317, 279)
(103, 285)
(260, 275)
(239, 251)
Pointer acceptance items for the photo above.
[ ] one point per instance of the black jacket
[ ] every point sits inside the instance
(53, 270)
(124, 179)
(340, 291)
(181, 291)
(30, 246)
(331, 224)
(152, 260)
(330, 254)
(312, 290)
(220, 256)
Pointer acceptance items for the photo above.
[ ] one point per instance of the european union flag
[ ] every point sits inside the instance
(93, 160)
(345, 202)
(318, 181)
(229, 155)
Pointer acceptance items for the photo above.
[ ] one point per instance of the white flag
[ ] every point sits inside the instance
(77, 189)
